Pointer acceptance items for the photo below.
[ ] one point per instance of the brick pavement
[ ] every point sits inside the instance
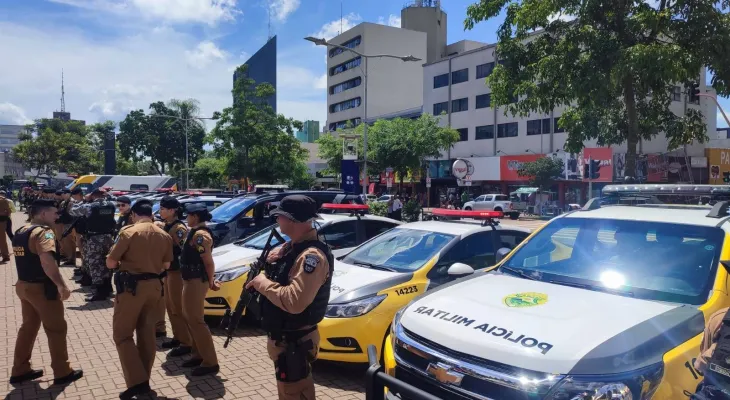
(246, 372)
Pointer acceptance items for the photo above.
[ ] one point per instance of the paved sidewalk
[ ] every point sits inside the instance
(246, 372)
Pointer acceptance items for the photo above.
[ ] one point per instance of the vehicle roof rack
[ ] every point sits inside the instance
(719, 210)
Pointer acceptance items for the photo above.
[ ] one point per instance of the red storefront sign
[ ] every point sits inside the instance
(509, 165)
(605, 156)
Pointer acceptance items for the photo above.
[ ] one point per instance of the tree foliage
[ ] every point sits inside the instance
(160, 136)
(542, 172)
(209, 172)
(52, 145)
(604, 63)
(258, 143)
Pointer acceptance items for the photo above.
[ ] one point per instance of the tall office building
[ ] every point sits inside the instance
(309, 133)
(262, 68)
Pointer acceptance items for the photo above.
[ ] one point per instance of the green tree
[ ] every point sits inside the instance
(405, 144)
(209, 172)
(52, 145)
(160, 136)
(300, 177)
(612, 66)
(542, 172)
(258, 143)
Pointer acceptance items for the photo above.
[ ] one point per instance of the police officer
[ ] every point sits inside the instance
(100, 224)
(294, 299)
(197, 270)
(5, 213)
(41, 290)
(124, 205)
(78, 230)
(714, 353)
(142, 253)
(68, 241)
(181, 343)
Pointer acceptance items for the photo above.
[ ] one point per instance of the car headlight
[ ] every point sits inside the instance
(396, 321)
(637, 385)
(231, 274)
(354, 308)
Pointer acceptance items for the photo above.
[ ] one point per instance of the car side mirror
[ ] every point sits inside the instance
(502, 253)
(246, 222)
(459, 269)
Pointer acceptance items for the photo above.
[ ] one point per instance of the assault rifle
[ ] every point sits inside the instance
(231, 319)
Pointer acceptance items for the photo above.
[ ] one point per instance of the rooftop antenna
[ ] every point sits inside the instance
(340, 17)
(63, 94)
(269, 9)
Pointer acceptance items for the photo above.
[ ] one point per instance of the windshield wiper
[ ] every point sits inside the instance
(595, 288)
(373, 266)
(519, 272)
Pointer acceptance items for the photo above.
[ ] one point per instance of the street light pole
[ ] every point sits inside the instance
(323, 42)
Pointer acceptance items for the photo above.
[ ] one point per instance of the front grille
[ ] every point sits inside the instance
(427, 385)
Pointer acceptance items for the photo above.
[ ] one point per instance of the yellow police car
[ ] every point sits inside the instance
(373, 281)
(608, 302)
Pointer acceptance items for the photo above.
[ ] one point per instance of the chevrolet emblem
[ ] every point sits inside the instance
(444, 374)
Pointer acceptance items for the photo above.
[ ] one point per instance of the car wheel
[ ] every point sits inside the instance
(467, 208)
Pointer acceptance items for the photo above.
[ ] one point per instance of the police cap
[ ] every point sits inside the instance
(297, 207)
(195, 208)
(169, 202)
(76, 191)
(124, 199)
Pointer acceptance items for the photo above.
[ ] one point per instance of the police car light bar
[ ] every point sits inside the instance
(346, 207)
(676, 189)
(445, 212)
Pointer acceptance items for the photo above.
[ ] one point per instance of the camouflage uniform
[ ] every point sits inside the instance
(95, 248)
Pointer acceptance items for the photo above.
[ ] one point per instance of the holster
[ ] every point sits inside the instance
(294, 364)
(50, 290)
(126, 282)
(190, 272)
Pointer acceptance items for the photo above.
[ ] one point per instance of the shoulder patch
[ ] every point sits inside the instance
(49, 235)
(180, 233)
(310, 262)
(199, 240)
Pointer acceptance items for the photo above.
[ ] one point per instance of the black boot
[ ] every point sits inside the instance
(99, 294)
(108, 286)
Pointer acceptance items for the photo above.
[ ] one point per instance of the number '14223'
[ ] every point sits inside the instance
(407, 290)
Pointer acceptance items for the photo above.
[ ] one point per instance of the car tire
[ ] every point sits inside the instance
(467, 208)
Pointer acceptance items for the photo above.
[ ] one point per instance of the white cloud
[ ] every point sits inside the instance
(334, 28)
(280, 9)
(107, 78)
(562, 17)
(12, 115)
(321, 82)
(208, 12)
(205, 53)
(244, 56)
(393, 20)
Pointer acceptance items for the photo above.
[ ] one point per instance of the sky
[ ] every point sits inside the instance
(122, 55)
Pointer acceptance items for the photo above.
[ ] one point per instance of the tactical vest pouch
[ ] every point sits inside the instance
(50, 290)
(293, 364)
(190, 272)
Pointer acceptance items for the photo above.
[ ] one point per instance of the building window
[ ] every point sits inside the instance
(439, 108)
(345, 105)
(463, 134)
(484, 70)
(350, 44)
(534, 127)
(546, 125)
(484, 132)
(459, 76)
(509, 129)
(346, 85)
(342, 124)
(460, 105)
(484, 100)
(676, 93)
(348, 65)
(557, 128)
(440, 81)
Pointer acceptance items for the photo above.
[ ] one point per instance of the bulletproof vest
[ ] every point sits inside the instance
(123, 219)
(28, 264)
(718, 366)
(190, 255)
(176, 250)
(274, 319)
(81, 225)
(63, 216)
(101, 219)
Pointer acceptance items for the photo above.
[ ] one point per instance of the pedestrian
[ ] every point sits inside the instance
(141, 252)
(197, 270)
(181, 343)
(294, 300)
(397, 208)
(5, 215)
(100, 224)
(41, 291)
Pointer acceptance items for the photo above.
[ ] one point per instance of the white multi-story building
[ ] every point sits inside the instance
(392, 84)
(456, 85)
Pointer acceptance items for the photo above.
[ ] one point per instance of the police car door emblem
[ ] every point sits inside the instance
(310, 262)
(527, 299)
(444, 374)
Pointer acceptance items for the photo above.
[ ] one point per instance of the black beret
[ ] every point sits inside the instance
(49, 190)
(77, 191)
(65, 191)
(169, 202)
(59, 192)
(98, 191)
(195, 208)
(43, 203)
(124, 199)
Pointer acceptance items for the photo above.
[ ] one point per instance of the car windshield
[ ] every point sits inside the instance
(258, 240)
(648, 260)
(230, 209)
(399, 249)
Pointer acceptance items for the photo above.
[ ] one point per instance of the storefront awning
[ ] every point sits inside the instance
(527, 190)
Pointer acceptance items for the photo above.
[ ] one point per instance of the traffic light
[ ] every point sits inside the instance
(726, 177)
(694, 92)
(591, 169)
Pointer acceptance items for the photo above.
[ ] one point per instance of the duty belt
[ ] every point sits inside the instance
(290, 336)
(127, 282)
(36, 280)
(193, 271)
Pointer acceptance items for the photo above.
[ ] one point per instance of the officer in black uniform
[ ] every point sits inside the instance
(294, 297)
(124, 204)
